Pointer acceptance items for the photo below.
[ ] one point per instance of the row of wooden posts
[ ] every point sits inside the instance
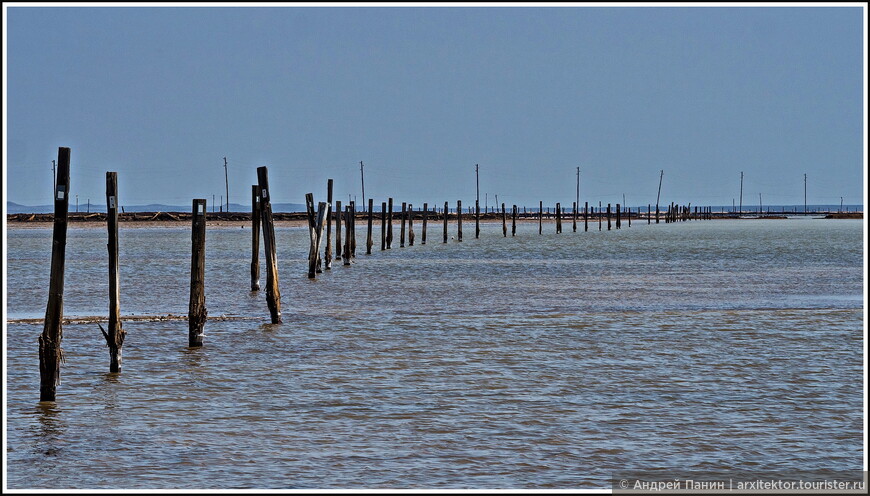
(319, 220)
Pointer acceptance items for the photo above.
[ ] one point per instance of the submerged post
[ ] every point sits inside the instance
(347, 227)
(383, 226)
(459, 220)
(410, 225)
(541, 217)
(648, 213)
(338, 215)
(273, 294)
(558, 217)
(197, 313)
(445, 221)
(352, 231)
(389, 223)
(476, 218)
(503, 221)
(327, 252)
(425, 215)
(575, 216)
(514, 221)
(316, 236)
(369, 241)
(608, 216)
(50, 352)
(255, 237)
(404, 219)
(115, 336)
(586, 217)
(618, 216)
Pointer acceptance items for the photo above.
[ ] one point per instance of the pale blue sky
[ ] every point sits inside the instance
(421, 95)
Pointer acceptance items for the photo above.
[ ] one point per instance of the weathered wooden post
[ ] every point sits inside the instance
(369, 241)
(586, 217)
(410, 225)
(273, 294)
(608, 216)
(514, 221)
(316, 236)
(197, 313)
(599, 216)
(575, 216)
(389, 223)
(503, 221)
(115, 336)
(347, 226)
(255, 240)
(404, 218)
(309, 207)
(339, 213)
(558, 217)
(618, 216)
(50, 352)
(648, 213)
(327, 252)
(459, 220)
(383, 226)
(657, 213)
(425, 215)
(352, 231)
(445, 220)
(476, 218)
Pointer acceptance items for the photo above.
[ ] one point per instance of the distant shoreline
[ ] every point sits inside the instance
(298, 219)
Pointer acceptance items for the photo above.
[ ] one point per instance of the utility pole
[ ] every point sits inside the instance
(477, 178)
(363, 181)
(578, 187)
(77, 203)
(54, 175)
(841, 205)
(486, 201)
(760, 206)
(741, 194)
(658, 196)
(227, 178)
(805, 194)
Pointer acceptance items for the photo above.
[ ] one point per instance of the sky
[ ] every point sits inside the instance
(421, 95)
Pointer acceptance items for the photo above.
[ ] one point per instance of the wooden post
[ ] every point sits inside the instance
(503, 221)
(327, 252)
(586, 217)
(445, 221)
(618, 216)
(312, 221)
(476, 218)
(459, 220)
(410, 225)
(541, 217)
(369, 241)
(657, 213)
(316, 236)
(575, 216)
(425, 215)
(352, 231)
(648, 213)
(558, 217)
(339, 213)
(115, 336)
(383, 226)
(599, 216)
(347, 226)
(50, 352)
(629, 216)
(608, 216)
(197, 313)
(404, 219)
(273, 294)
(389, 223)
(255, 237)
(514, 221)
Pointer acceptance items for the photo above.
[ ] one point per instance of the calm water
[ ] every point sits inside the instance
(529, 362)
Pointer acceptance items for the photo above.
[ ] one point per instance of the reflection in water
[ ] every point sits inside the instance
(52, 427)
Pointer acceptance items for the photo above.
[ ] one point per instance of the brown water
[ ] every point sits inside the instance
(532, 362)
